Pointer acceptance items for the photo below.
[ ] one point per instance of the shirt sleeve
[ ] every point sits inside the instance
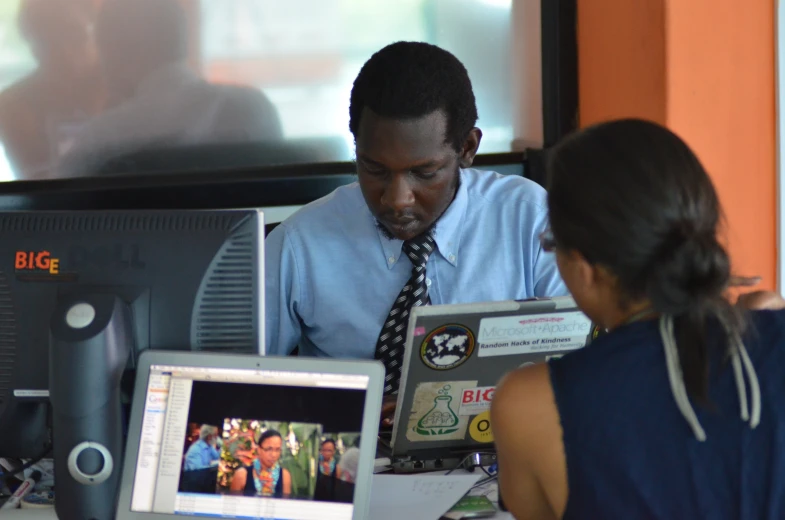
(214, 456)
(193, 458)
(283, 328)
(547, 280)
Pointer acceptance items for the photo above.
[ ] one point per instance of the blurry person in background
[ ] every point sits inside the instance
(193, 434)
(344, 488)
(348, 465)
(327, 460)
(203, 453)
(328, 473)
(158, 101)
(40, 113)
(201, 461)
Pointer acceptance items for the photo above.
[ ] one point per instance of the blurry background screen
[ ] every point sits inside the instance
(105, 87)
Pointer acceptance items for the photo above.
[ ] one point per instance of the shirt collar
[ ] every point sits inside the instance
(447, 232)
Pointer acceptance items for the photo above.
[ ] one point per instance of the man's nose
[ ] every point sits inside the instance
(398, 195)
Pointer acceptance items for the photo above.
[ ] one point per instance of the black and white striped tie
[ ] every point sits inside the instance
(389, 348)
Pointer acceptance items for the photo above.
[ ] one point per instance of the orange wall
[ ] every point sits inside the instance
(704, 68)
(621, 60)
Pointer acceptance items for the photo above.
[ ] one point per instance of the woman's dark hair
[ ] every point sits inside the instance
(328, 441)
(268, 434)
(631, 196)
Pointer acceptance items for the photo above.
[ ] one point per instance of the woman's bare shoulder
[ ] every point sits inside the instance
(530, 385)
(527, 430)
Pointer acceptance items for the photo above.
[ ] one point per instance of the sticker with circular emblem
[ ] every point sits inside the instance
(447, 347)
(480, 428)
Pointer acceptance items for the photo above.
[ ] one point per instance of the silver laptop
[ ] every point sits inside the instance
(455, 355)
(239, 437)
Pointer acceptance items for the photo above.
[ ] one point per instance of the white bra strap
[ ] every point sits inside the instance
(677, 379)
(741, 363)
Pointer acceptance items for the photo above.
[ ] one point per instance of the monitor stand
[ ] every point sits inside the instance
(91, 339)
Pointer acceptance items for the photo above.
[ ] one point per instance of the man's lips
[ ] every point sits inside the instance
(399, 222)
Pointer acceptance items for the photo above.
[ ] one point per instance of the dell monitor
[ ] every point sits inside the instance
(82, 293)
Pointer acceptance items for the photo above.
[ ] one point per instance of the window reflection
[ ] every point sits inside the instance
(102, 87)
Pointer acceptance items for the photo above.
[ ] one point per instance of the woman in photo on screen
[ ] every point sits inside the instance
(264, 476)
(678, 411)
(328, 461)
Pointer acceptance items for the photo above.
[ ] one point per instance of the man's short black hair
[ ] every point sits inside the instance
(409, 80)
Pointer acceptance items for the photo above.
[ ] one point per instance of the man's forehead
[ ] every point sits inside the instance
(418, 140)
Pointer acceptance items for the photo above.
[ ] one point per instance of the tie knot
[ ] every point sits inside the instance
(419, 248)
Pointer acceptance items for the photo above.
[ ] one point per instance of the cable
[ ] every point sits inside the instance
(485, 481)
(461, 463)
(469, 456)
(37, 458)
(30, 463)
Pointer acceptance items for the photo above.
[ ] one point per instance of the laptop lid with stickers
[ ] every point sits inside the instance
(456, 354)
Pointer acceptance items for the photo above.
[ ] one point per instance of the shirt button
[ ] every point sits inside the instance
(428, 282)
(391, 260)
(451, 257)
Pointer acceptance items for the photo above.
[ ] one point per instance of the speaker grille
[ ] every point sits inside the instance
(8, 340)
(119, 221)
(225, 308)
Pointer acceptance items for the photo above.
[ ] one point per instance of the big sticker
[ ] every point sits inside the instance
(474, 401)
(480, 428)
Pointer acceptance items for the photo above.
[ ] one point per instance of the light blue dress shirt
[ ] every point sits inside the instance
(200, 456)
(332, 276)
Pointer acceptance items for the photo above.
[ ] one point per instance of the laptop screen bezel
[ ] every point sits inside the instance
(370, 423)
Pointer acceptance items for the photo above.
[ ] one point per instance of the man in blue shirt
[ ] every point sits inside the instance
(202, 454)
(418, 227)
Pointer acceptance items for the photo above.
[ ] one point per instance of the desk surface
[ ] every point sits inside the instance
(490, 490)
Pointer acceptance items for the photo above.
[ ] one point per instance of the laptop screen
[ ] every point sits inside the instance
(235, 443)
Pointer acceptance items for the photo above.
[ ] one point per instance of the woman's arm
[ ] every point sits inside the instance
(527, 431)
(338, 471)
(238, 480)
(287, 482)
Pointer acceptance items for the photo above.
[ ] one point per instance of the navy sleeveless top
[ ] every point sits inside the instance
(630, 452)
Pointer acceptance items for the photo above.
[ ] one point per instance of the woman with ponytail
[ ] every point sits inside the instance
(678, 412)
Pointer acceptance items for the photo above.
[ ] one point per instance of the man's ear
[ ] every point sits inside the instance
(470, 147)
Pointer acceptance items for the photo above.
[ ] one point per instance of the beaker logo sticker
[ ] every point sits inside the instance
(447, 347)
(441, 419)
(435, 411)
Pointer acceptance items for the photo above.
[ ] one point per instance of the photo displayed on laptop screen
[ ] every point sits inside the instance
(249, 443)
